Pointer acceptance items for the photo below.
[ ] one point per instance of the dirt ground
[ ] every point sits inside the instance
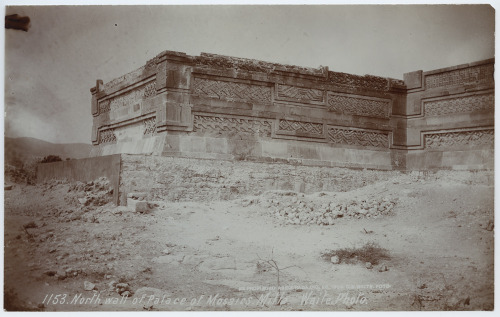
(65, 251)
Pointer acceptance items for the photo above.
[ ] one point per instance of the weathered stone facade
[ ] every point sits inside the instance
(218, 107)
(449, 117)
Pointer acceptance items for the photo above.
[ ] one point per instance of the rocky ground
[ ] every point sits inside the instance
(413, 242)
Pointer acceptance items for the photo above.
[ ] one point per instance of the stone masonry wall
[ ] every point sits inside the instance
(188, 179)
(84, 170)
(225, 108)
(450, 117)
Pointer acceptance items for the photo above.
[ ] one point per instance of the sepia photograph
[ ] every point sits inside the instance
(248, 157)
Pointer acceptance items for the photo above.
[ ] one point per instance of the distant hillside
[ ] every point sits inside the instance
(23, 148)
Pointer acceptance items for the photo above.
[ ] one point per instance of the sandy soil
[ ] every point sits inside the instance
(229, 255)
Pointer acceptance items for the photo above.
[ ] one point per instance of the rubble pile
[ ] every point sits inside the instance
(299, 209)
(94, 193)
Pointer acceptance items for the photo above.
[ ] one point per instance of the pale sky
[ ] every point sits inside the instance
(50, 69)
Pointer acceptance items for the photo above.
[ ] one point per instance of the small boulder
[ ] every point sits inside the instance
(122, 285)
(368, 265)
(123, 289)
(363, 211)
(112, 284)
(335, 259)
(137, 205)
(88, 286)
(50, 273)
(246, 202)
(61, 275)
(383, 268)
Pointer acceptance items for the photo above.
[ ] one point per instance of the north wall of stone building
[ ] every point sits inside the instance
(191, 179)
(224, 108)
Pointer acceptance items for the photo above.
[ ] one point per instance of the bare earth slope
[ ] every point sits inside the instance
(227, 255)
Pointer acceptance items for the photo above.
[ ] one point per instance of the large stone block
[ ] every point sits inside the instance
(415, 160)
(172, 143)
(173, 116)
(137, 205)
(243, 149)
(274, 149)
(452, 158)
(304, 151)
(192, 144)
(433, 160)
(216, 145)
(413, 80)
(332, 154)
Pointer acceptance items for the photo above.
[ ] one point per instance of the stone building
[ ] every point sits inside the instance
(218, 107)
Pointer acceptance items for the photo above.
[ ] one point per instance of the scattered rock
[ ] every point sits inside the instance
(490, 225)
(75, 216)
(50, 273)
(154, 205)
(305, 211)
(30, 225)
(383, 268)
(120, 210)
(137, 205)
(123, 289)
(61, 275)
(94, 193)
(112, 284)
(246, 202)
(368, 265)
(335, 259)
(166, 251)
(88, 286)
